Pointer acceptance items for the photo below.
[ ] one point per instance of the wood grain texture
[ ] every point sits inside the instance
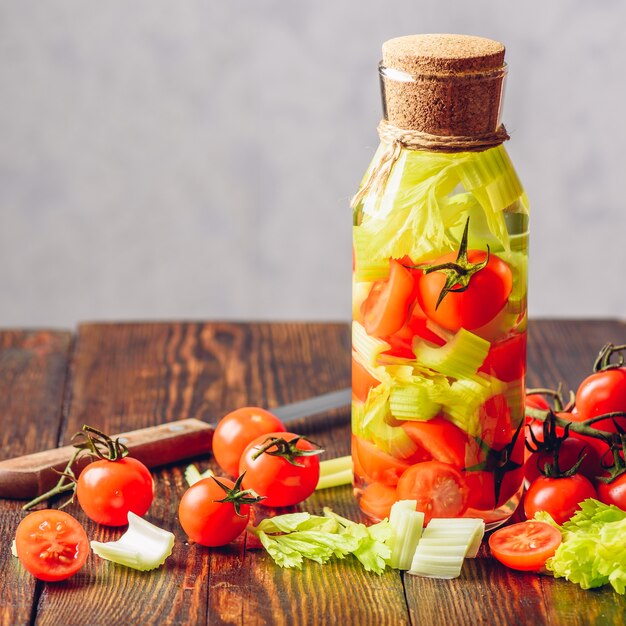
(126, 376)
(33, 368)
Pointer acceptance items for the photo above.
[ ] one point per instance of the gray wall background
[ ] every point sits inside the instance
(195, 159)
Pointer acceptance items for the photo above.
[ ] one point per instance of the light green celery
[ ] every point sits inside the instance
(518, 263)
(514, 394)
(193, 475)
(407, 524)
(143, 546)
(459, 358)
(14, 548)
(593, 550)
(435, 566)
(366, 268)
(332, 466)
(335, 472)
(414, 401)
(368, 348)
(466, 396)
(468, 531)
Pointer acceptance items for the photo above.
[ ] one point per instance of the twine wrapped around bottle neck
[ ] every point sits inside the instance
(396, 139)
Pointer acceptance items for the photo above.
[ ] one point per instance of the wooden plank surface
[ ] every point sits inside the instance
(33, 368)
(127, 376)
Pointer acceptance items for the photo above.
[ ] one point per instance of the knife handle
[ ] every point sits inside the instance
(28, 476)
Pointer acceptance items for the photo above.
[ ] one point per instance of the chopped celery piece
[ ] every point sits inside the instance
(367, 269)
(514, 393)
(143, 546)
(407, 524)
(14, 548)
(368, 348)
(468, 531)
(335, 472)
(433, 566)
(414, 401)
(193, 475)
(460, 358)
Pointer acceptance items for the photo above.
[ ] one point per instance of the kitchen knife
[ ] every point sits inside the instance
(28, 476)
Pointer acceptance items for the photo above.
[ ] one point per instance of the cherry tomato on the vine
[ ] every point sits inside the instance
(603, 392)
(485, 296)
(108, 490)
(285, 472)
(613, 492)
(236, 430)
(560, 497)
(438, 488)
(525, 546)
(209, 521)
(51, 544)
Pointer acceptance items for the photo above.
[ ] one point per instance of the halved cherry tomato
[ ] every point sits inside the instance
(374, 465)
(377, 499)
(51, 544)
(438, 488)
(483, 299)
(236, 430)
(440, 440)
(525, 546)
(362, 381)
(603, 392)
(561, 497)
(386, 309)
(506, 359)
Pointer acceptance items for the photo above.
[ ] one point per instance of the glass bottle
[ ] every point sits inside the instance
(440, 244)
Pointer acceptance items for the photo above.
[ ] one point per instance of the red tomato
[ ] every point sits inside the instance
(486, 295)
(281, 482)
(495, 420)
(374, 465)
(362, 381)
(440, 440)
(236, 430)
(438, 488)
(537, 401)
(560, 497)
(569, 453)
(506, 359)
(208, 521)
(108, 490)
(51, 544)
(401, 342)
(525, 546)
(614, 492)
(574, 416)
(600, 393)
(387, 307)
(377, 499)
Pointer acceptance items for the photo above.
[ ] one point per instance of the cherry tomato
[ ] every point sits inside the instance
(561, 497)
(603, 392)
(108, 490)
(537, 401)
(362, 381)
(569, 453)
(438, 488)
(614, 492)
(374, 465)
(525, 546)
(208, 521)
(51, 544)
(236, 430)
(574, 416)
(281, 482)
(440, 440)
(377, 499)
(506, 358)
(485, 296)
(387, 307)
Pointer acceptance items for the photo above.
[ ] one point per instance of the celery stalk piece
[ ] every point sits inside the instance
(433, 566)
(466, 531)
(407, 524)
(338, 479)
(414, 401)
(460, 358)
(193, 475)
(14, 548)
(333, 466)
(367, 269)
(368, 348)
(143, 546)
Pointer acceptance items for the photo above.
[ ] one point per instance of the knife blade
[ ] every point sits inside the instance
(28, 476)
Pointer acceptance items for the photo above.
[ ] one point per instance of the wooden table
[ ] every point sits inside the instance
(124, 376)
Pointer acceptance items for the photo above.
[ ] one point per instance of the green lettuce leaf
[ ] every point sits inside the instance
(593, 551)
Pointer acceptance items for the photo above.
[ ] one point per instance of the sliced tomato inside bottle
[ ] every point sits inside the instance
(377, 500)
(374, 465)
(440, 440)
(362, 381)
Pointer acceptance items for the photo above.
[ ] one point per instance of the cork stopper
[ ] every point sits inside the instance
(447, 85)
